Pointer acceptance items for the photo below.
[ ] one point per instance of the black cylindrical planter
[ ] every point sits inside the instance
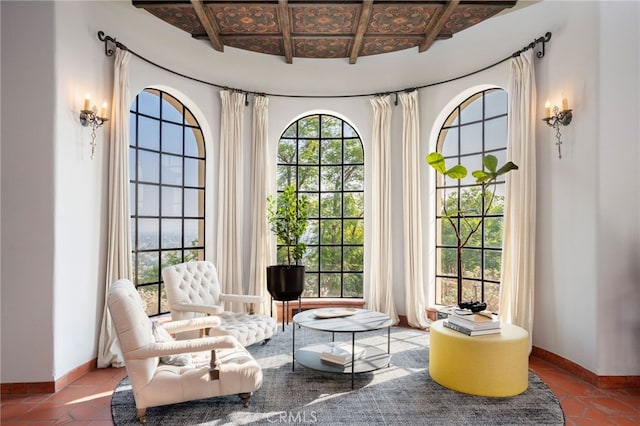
(285, 282)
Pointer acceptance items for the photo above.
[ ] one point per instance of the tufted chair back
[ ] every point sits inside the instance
(194, 283)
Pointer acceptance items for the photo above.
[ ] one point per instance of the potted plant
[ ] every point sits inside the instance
(288, 216)
(466, 227)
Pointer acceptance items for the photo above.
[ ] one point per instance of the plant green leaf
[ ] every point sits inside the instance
(436, 160)
(506, 168)
(481, 176)
(490, 162)
(457, 172)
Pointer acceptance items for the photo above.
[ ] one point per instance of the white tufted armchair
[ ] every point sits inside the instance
(209, 366)
(193, 290)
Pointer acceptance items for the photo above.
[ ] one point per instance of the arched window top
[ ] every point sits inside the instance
(162, 119)
(469, 115)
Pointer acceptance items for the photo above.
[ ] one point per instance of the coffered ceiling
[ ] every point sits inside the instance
(319, 29)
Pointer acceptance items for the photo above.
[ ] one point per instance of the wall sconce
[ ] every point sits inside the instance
(559, 118)
(89, 117)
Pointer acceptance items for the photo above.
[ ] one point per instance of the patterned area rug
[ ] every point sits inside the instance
(401, 394)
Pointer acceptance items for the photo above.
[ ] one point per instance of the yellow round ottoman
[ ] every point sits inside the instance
(490, 365)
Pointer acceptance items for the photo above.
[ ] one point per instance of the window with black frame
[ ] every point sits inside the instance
(322, 156)
(167, 191)
(475, 128)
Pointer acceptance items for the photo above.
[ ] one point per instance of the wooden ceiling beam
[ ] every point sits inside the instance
(285, 28)
(363, 23)
(209, 24)
(436, 23)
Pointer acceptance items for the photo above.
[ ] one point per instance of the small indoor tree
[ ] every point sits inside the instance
(465, 227)
(288, 216)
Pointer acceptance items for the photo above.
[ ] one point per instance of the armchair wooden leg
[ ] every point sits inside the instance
(265, 341)
(245, 398)
(214, 373)
(142, 415)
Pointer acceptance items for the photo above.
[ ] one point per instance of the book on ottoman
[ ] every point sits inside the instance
(474, 321)
(469, 331)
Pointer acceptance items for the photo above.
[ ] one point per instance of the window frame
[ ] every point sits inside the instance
(188, 123)
(455, 122)
(317, 216)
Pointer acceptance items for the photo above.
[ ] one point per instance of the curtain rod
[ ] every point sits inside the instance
(109, 51)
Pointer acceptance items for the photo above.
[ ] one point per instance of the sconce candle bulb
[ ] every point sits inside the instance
(89, 117)
(558, 118)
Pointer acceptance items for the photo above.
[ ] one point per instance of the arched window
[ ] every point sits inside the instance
(322, 156)
(475, 128)
(167, 180)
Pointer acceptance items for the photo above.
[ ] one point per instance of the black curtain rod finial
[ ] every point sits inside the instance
(109, 51)
(542, 40)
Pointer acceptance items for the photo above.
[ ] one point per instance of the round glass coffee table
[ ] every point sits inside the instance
(340, 320)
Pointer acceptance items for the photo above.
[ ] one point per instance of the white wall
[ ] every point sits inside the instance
(578, 269)
(28, 192)
(81, 186)
(566, 261)
(618, 215)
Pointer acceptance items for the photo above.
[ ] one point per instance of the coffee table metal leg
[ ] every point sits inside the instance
(293, 347)
(353, 357)
(389, 344)
(284, 302)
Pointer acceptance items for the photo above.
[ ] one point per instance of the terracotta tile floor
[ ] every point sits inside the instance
(87, 401)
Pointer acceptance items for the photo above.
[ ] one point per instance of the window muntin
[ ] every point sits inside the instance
(323, 157)
(475, 128)
(167, 191)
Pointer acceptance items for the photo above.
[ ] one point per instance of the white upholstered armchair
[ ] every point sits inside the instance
(193, 291)
(164, 371)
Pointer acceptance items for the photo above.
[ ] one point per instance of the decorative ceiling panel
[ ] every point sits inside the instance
(377, 45)
(321, 48)
(401, 19)
(268, 45)
(324, 19)
(245, 18)
(179, 15)
(466, 16)
(323, 29)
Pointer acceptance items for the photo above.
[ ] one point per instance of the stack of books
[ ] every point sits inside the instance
(340, 353)
(473, 323)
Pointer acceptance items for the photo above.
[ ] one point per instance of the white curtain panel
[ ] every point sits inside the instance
(230, 196)
(379, 293)
(414, 283)
(118, 243)
(260, 239)
(518, 245)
